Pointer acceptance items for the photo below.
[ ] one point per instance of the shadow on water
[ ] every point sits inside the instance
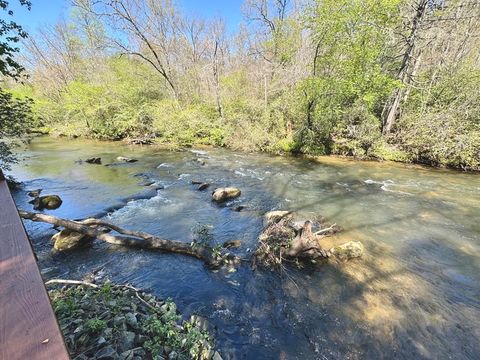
(415, 294)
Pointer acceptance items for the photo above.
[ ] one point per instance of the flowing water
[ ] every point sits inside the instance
(414, 295)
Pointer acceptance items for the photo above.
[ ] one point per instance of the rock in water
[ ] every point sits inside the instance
(49, 202)
(67, 240)
(126, 159)
(232, 244)
(223, 194)
(94, 160)
(275, 216)
(350, 250)
(34, 193)
(203, 186)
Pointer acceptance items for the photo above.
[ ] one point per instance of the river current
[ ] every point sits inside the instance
(414, 295)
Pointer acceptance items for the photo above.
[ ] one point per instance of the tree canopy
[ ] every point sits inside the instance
(388, 79)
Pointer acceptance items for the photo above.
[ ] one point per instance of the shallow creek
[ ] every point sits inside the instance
(414, 295)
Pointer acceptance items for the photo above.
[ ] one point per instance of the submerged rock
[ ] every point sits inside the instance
(223, 194)
(49, 202)
(67, 240)
(349, 250)
(275, 216)
(203, 186)
(126, 159)
(200, 322)
(34, 193)
(200, 162)
(94, 160)
(232, 244)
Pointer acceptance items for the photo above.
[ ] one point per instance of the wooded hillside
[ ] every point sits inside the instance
(388, 79)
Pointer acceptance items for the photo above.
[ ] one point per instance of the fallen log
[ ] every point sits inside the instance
(96, 229)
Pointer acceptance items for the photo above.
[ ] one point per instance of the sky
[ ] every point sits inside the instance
(46, 12)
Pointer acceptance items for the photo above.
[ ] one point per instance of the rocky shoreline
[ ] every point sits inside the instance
(119, 322)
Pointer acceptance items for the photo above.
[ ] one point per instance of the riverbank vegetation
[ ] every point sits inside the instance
(389, 79)
(108, 321)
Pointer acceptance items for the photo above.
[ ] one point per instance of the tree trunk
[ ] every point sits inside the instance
(92, 228)
(391, 109)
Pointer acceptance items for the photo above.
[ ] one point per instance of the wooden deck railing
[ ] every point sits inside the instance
(28, 327)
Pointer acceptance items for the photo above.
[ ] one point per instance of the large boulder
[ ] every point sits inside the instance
(49, 202)
(67, 240)
(227, 193)
(349, 250)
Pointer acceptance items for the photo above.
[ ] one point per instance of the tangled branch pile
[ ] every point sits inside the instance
(284, 239)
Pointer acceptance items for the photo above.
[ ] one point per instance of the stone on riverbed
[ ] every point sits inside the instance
(227, 193)
(34, 193)
(67, 240)
(49, 202)
(275, 216)
(232, 244)
(203, 186)
(126, 159)
(94, 160)
(349, 250)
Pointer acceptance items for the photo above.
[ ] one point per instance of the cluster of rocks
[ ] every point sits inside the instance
(119, 159)
(119, 323)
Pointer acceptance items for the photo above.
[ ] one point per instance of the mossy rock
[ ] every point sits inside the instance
(49, 202)
(68, 240)
(349, 250)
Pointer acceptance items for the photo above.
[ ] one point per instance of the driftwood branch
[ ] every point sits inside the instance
(326, 230)
(70, 282)
(95, 286)
(128, 238)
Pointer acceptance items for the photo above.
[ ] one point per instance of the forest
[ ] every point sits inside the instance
(291, 179)
(378, 79)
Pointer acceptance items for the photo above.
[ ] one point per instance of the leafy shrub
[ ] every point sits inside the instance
(16, 120)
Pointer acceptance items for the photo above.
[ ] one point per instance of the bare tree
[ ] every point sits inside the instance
(390, 112)
(145, 29)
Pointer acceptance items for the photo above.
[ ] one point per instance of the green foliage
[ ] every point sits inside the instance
(441, 139)
(314, 81)
(16, 119)
(65, 305)
(187, 340)
(442, 127)
(357, 132)
(95, 325)
(11, 33)
(159, 322)
(348, 75)
(186, 126)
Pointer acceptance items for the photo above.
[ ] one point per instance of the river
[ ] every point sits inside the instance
(414, 295)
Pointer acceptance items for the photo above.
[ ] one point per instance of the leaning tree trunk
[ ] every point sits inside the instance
(391, 109)
(93, 229)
